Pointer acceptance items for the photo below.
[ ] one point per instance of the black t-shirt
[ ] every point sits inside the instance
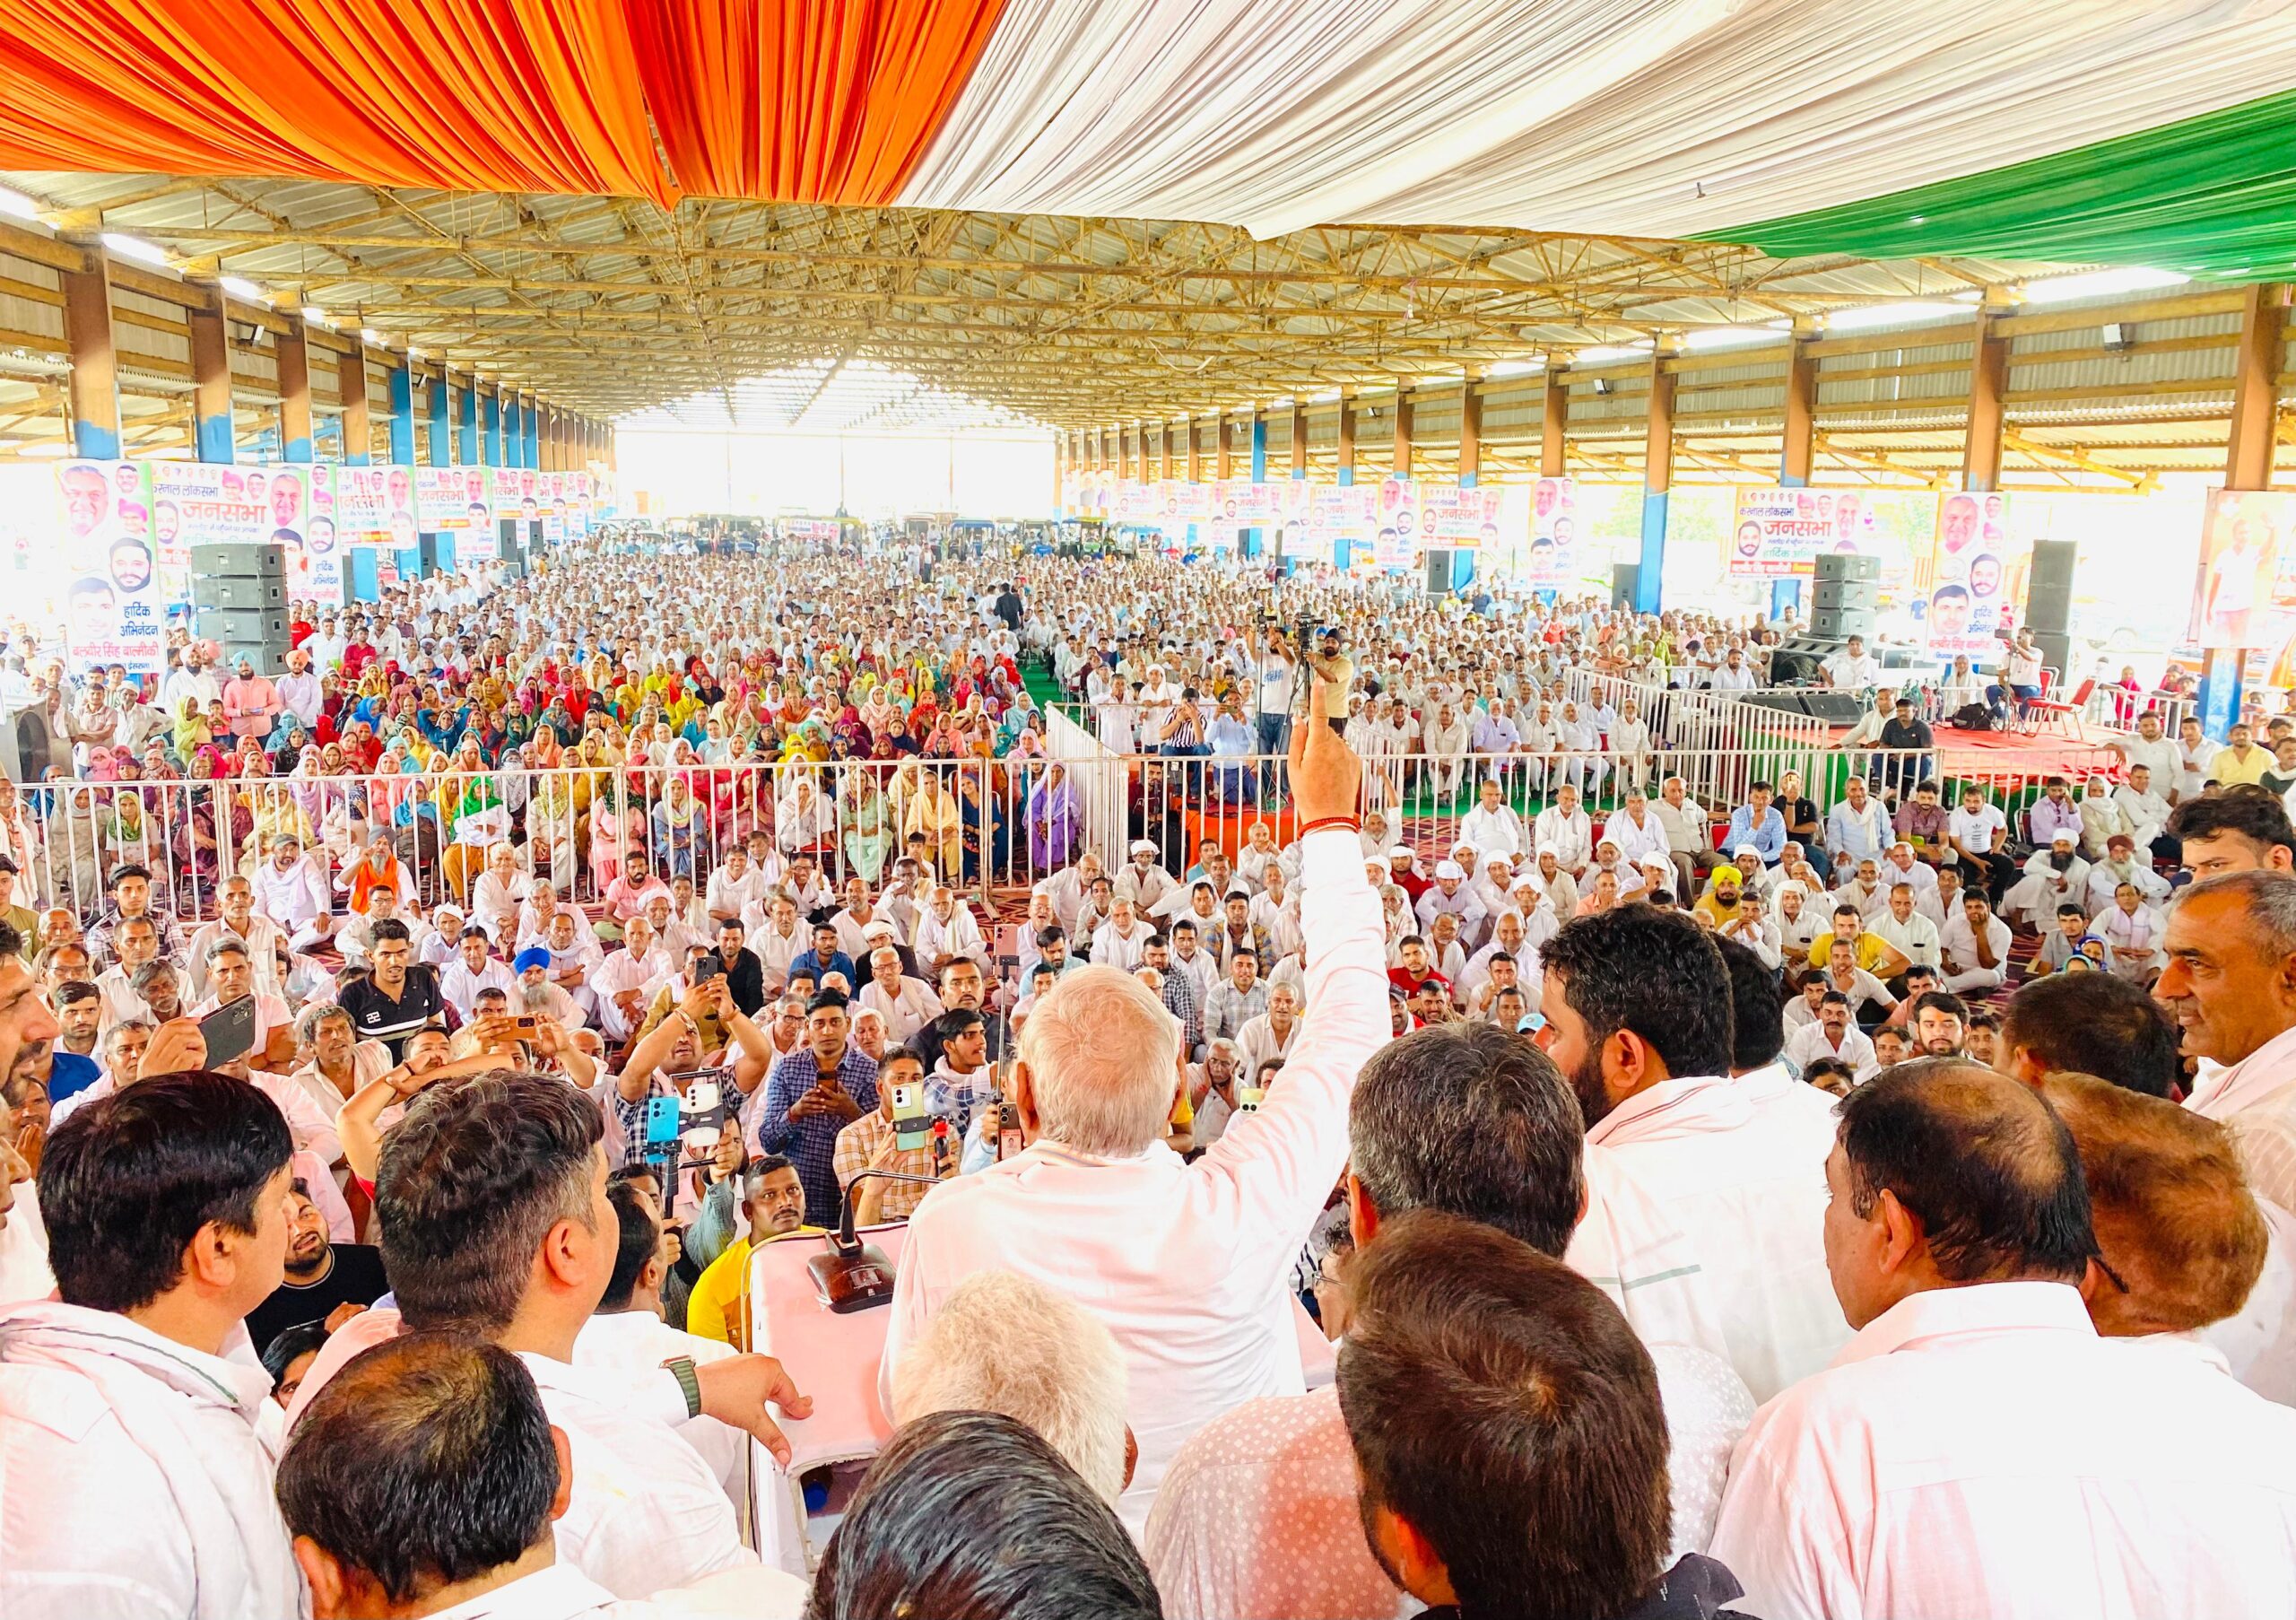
(376, 1016)
(355, 1277)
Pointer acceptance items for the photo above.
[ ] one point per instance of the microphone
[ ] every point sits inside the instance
(849, 1274)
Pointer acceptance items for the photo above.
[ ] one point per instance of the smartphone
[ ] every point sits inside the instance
(1248, 1098)
(229, 1032)
(912, 1125)
(1010, 1141)
(526, 1023)
(711, 966)
(661, 1121)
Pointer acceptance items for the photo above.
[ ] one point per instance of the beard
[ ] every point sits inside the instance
(33, 1058)
(1595, 1103)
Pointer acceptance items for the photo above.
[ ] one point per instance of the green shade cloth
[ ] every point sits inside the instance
(2214, 195)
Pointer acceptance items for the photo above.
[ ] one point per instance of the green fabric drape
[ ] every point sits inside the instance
(2214, 195)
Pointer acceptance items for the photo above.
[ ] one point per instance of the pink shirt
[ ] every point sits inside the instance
(251, 702)
(1981, 1450)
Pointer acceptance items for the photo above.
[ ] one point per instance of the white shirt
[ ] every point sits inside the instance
(1124, 1237)
(1494, 832)
(290, 898)
(1809, 1043)
(1571, 836)
(2255, 1101)
(1258, 1042)
(133, 1480)
(1749, 1186)
(1958, 940)
(1977, 829)
(461, 986)
(639, 1339)
(1635, 840)
(1981, 1452)
(909, 1009)
(24, 1274)
(960, 935)
(1915, 938)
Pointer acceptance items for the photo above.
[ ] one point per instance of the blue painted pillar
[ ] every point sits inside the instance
(490, 429)
(514, 436)
(466, 435)
(94, 383)
(1657, 480)
(441, 434)
(402, 385)
(210, 381)
(531, 428)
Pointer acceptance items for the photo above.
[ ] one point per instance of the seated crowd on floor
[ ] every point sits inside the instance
(1484, 1178)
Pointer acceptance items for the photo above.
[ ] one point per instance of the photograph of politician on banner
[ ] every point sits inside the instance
(2245, 595)
(114, 611)
(1978, 568)
(304, 526)
(375, 506)
(1552, 560)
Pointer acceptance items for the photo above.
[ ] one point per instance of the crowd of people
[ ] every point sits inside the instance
(1879, 1208)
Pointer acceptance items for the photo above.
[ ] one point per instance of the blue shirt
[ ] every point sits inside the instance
(811, 1140)
(1768, 838)
(70, 1076)
(837, 961)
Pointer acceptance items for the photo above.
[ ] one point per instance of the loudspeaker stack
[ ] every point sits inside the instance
(2048, 602)
(1842, 596)
(238, 601)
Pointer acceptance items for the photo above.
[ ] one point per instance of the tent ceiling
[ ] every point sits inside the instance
(611, 306)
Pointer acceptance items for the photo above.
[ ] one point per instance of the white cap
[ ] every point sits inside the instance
(1401, 852)
(1143, 847)
(1450, 869)
(2063, 836)
(1747, 850)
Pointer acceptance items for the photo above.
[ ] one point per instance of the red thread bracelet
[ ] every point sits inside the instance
(1353, 823)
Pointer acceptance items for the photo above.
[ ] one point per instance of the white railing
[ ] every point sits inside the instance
(987, 826)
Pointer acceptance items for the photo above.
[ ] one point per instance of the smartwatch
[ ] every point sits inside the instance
(681, 1368)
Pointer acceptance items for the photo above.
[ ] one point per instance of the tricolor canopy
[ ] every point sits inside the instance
(2138, 131)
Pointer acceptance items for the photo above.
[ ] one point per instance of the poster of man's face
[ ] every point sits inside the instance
(1949, 612)
(1960, 523)
(1985, 575)
(286, 501)
(86, 499)
(131, 566)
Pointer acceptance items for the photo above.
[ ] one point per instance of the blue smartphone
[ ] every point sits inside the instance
(661, 1121)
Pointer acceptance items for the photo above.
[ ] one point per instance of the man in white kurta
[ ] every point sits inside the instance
(1978, 1449)
(2228, 984)
(1126, 1237)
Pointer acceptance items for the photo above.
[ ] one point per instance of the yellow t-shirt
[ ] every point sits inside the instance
(1866, 951)
(2230, 771)
(713, 1310)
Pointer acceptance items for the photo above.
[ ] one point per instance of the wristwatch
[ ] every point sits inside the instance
(681, 1368)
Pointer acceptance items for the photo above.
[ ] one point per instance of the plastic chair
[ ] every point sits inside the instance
(2064, 716)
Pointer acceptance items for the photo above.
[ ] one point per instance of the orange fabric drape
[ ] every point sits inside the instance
(795, 100)
(466, 95)
(804, 100)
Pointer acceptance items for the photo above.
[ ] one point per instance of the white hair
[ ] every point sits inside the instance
(1006, 1344)
(1102, 1053)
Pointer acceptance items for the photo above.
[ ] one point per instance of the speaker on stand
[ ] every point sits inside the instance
(1626, 583)
(2049, 603)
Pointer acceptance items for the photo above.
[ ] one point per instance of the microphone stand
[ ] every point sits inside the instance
(849, 1274)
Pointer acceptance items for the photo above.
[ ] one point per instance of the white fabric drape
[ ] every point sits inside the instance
(1656, 117)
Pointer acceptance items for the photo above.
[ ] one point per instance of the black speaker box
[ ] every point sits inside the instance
(1842, 596)
(1834, 708)
(1626, 583)
(1845, 565)
(2048, 599)
(1841, 624)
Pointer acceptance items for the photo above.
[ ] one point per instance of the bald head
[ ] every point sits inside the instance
(1945, 1173)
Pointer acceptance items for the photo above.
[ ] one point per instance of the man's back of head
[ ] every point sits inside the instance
(974, 1514)
(1951, 1174)
(1469, 1120)
(2091, 1023)
(425, 1464)
(1757, 1008)
(471, 1183)
(1507, 1426)
(1004, 1343)
(2179, 1237)
(1099, 1056)
(129, 1182)
(1633, 997)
